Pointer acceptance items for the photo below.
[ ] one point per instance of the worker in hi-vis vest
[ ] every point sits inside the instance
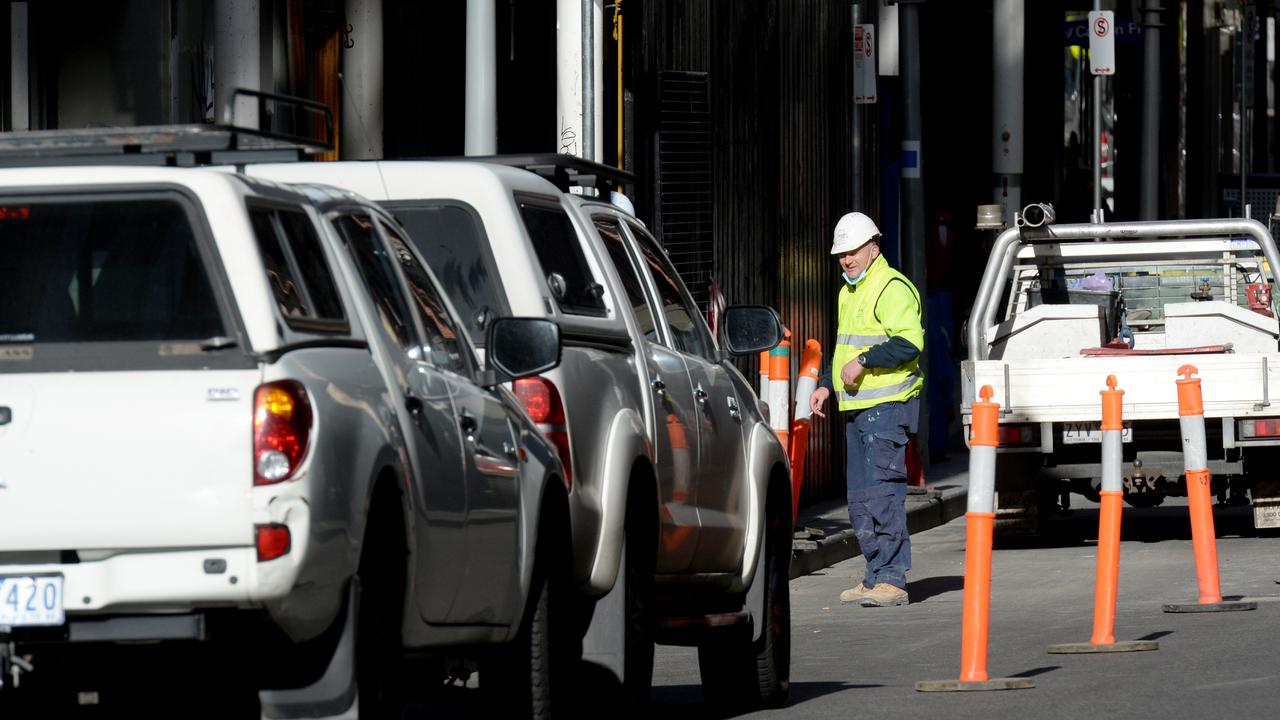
(877, 383)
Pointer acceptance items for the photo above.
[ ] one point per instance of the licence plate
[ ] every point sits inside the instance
(1080, 433)
(31, 600)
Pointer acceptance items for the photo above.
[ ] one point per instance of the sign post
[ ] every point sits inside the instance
(1102, 61)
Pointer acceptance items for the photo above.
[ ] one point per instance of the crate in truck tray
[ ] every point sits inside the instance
(1108, 300)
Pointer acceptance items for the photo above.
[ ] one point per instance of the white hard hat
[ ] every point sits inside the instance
(852, 232)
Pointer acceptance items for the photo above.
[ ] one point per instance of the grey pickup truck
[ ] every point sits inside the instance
(679, 501)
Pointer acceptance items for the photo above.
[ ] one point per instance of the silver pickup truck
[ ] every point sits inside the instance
(679, 499)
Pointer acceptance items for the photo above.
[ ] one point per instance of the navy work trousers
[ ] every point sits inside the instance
(876, 478)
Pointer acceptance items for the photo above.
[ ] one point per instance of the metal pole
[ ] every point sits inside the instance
(588, 80)
(237, 60)
(569, 107)
(913, 250)
(1009, 21)
(1097, 138)
(1149, 198)
(19, 67)
(362, 82)
(856, 124)
(1244, 114)
(481, 95)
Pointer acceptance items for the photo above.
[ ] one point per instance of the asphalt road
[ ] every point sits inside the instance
(854, 662)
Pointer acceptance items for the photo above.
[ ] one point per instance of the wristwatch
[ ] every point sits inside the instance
(862, 359)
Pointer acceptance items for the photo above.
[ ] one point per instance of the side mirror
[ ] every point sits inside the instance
(749, 329)
(520, 347)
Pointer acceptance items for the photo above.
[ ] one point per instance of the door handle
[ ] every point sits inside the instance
(658, 385)
(412, 403)
(469, 426)
(700, 395)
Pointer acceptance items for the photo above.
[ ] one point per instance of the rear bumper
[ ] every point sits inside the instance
(173, 581)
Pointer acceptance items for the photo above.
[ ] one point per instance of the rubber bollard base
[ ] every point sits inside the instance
(1085, 648)
(1015, 683)
(1209, 607)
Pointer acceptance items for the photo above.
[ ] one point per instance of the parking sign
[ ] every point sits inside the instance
(1102, 42)
(864, 64)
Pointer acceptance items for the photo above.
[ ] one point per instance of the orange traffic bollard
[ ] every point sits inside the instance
(764, 375)
(810, 369)
(780, 390)
(979, 521)
(1195, 458)
(1108, 578)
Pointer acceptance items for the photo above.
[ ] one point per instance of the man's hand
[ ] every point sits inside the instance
(817, 399)
(851, 371)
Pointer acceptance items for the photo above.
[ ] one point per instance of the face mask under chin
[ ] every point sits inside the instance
(853, 281)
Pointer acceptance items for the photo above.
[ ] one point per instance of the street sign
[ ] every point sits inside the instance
(1102, 42)
(864, 64)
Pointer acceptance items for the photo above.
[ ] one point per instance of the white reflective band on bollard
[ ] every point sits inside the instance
(1195, 455)
(982, 479)
(1112, 459)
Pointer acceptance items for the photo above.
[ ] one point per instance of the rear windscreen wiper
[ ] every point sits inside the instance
(217, 342)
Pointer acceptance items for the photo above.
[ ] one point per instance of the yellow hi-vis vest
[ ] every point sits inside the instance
(861, 325)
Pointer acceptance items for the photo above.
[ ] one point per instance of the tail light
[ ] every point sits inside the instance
(273, 541)
(1259, 428)
(1019, 435)
(541, 400)
(281, 429)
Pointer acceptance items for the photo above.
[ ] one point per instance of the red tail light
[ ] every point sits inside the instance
(542, 401)
(273, 541)
(1018, 435)
(281, 429)
(1259, 428)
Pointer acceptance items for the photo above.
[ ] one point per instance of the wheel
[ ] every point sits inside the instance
(739, 673)
(530, 677)
(640, 553)
(379, 652)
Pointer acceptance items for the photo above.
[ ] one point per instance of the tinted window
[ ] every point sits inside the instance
(453, 242)
(314, 269)
(102, 270)
(559, 251)
(688, 333)
(378, 272)
(297, 271)
(443, 342)
(611, 233)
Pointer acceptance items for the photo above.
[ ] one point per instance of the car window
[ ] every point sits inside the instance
(102, 270)
(611, 234)
(377, 270)
(294, 261)
(452, 240)
(575, 289)
(444, 344)
(688, 332)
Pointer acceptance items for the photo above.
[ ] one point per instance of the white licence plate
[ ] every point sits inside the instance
(1080, 433)
(31, 600)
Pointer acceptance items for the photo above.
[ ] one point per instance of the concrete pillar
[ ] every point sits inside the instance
(482, 79)
(19, 67)
(1009, 22)
(362, 82)
(237, 60)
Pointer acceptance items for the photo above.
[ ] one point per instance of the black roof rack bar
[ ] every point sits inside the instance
(173, 145)
(564, 171)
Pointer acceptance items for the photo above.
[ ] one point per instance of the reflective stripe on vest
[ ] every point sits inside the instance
(859, 329)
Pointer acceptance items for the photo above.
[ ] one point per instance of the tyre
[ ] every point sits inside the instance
(379, 653)
(530, 678)
(739, 673)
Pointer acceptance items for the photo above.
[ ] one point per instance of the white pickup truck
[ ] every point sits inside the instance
(1061, 307)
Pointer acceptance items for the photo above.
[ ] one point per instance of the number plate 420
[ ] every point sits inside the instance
(31, 600)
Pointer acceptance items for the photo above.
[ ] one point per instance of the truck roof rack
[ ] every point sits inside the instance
(185, 145)
(564, 171)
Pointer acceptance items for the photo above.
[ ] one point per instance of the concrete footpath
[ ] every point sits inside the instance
(823, 534)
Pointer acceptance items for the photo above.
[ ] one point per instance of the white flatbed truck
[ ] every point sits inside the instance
(1060, 307)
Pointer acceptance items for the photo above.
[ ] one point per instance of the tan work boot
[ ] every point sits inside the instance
(884, 595)
(854, 594)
